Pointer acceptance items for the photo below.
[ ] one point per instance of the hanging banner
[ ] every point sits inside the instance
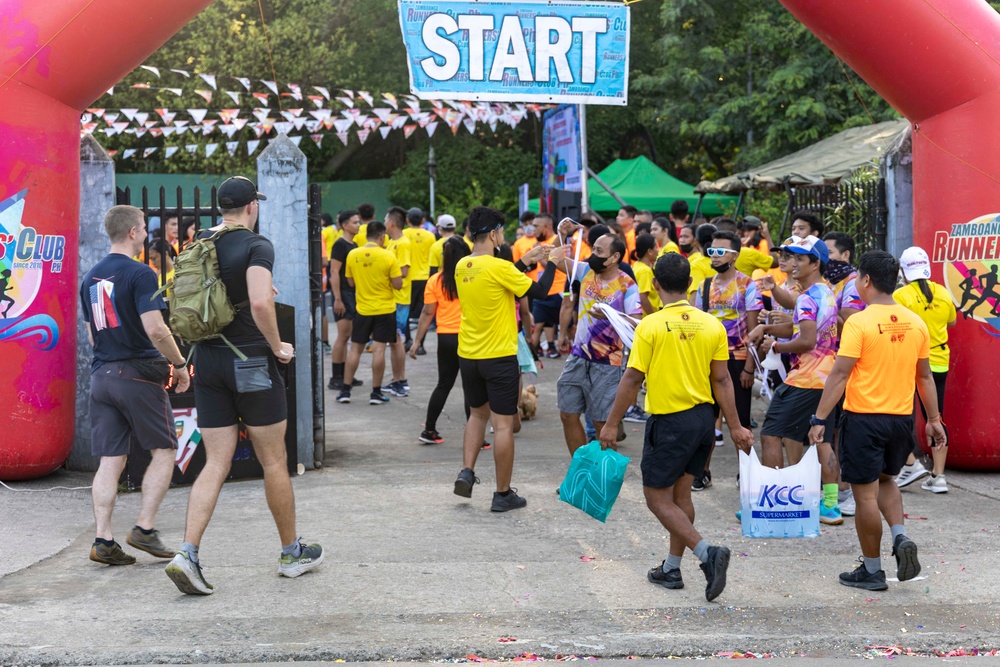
(550, 51)
(561, 164)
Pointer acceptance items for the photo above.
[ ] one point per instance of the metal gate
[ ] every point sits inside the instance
(857, 208)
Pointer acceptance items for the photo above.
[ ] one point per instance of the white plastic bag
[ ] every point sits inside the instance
(781, 502)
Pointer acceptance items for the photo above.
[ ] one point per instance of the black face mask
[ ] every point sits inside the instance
(723, 268)
(597, 264)
(686, 248)
(836, 270)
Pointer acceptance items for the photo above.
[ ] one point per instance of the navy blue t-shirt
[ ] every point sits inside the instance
(114, 294)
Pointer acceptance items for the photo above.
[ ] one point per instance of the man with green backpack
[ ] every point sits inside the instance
(223, 302)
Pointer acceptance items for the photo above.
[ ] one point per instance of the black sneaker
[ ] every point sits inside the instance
(905, 551)
(506, 503)
(552, 354)
(671, 579)
(397, 389)
(421, 351)
(463, 485)
(377, 398)
(356, 382)
(431, 438)
(344, 396)
(862, 578)
(335, 383)
(702, 483)
(715, 571)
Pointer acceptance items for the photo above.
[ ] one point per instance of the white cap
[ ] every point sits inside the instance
(446, 221)
(915, 264)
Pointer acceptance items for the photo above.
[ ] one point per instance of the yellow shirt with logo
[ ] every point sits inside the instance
(362, 236)
(701, 268)
(750, 259)
(489, 328)
(330, 234)
(937, 315)
(421, 241)
(674, 348)
(644, 280)
(401, 248)
(372, 269)
(670, 246)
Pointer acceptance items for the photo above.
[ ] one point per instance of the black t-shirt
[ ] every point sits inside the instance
(340, 250)
(114, 295)
(237, 251)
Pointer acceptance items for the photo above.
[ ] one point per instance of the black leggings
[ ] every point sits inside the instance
(447, 358)
(939, 384)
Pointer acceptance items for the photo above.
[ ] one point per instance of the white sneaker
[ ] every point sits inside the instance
(187, 576)
(935, 484)
(909, 474)
(846, 501)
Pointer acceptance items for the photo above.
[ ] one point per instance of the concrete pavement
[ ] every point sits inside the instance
(413, 572)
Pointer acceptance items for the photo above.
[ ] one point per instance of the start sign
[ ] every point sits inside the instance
(574, 52)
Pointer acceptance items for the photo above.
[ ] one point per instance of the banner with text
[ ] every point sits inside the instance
(551, 51)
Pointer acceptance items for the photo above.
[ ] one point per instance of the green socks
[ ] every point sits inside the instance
(830, 495)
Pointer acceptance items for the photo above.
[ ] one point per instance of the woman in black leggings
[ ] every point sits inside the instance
(441, 300)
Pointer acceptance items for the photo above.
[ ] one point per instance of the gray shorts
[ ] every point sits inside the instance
(588, 387)
(125, 408)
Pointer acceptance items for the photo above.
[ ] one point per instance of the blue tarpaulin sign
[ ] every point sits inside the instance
(552, 51)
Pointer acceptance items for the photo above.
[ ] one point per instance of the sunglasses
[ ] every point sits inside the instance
(719, 252)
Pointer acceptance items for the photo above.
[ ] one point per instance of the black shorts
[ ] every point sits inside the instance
(220, 404)
(743, 397)
(871, 445)
(677, 444)
(546, 311)
(125, 407)
(789, 413)
(494, 381)
(350, 306)
(379, 328)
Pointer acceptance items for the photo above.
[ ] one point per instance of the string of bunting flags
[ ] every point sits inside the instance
(337, 111)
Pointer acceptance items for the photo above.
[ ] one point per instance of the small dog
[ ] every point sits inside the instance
(528, 405)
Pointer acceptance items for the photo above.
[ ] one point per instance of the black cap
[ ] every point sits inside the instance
(415, 214)
(237, 192)
(752, 222)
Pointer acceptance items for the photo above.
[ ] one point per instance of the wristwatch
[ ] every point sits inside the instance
(816, 421)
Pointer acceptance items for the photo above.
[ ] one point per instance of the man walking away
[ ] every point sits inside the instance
(683, 354)
(884, 353)
(401, 248)
(446, 228)
(127, 397)
(421, 241)
(231, 390)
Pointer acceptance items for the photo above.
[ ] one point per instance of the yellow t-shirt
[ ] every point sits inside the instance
(489, 328)
(701, 268)
(644, 280)
(400, 248)
(669, 247)
(421, 241)
(675, 348)
(750, 259)
(887, 341)
(436, 257)
(372, 269)
(937, 316)
(330, 234)
(362, 236)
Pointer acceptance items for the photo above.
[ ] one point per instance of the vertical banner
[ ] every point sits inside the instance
(522, 199)
(561, 168)
(493, 50)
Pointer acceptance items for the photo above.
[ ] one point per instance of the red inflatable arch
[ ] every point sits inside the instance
(56, 58)
(938, 63)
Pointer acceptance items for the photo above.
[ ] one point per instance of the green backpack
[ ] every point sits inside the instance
(199, 306)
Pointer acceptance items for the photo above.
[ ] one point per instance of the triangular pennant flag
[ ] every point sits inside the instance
(210, 80)
(207, 94)
(390, 99)
(141, 118)
(431, 127)
(89, 128)
(329, 123)
(383, 114)
(162, 113)
(366, 96)
(258, 130)
(129, 113)
(156, 131)
(296, 91)
(408, 130)
(384, 131)
(349, 93)
(296, 112)
(169, 152)
(228, 129)
(398, 122)
(110, 118)
(210, 149)
(182, 130)
(149, 151)
(287, 115)
(137, 132)
(437, 104)
(231, 146)
(227, 115)
(240, 123)
(283, 128)
(151, 123)
(313, 125)
(96, 111)
(86, 118)
(112, 153)
(168, 131)
(296, 140)
(128, 152)
(183, 72)
(299, 123)
(198, 114)
(234, 95)
(320, 114)
(140, 86)
(344, 137)
(343, 125)
(260, 114)
(262, 98)
(191, 148)
(120, 127)
(493, 126)
(470, 125)
(346, 101)
(111, 91)
(322, 91)
(252, 146)
(181, 123)
(176, 91)
(154, 70)
(243, 80)
(318, 139)
(272, 85)
(316, 100)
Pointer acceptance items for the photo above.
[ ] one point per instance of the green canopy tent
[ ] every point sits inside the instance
(644, 185)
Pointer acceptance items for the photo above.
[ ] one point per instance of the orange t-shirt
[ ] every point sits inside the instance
(887, 341)
(629, 245)
(559, 282)
(449, 313)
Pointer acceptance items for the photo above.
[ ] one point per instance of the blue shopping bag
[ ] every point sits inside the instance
(594, 479)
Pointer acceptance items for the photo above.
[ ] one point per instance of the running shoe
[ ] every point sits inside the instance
(511, 501)
(552, 354)
(486, 445)
(715, 571)
(905, 551)
(310, 557)
(464, 483)
(719, 439)
(846, 501)
(831, 516)
(636, 415)
(702, 483)
(186, 575)
(862, 578)
(335, 383)
(150, 543)
(431, 438)
(671, 579)
(344, 396)
(421, 351)
(113, 555)
(397, 389)
(377, 398)
(911, 473)
(935, 484)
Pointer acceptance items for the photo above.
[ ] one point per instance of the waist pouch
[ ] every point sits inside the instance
(154, 369)
(252, 374)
